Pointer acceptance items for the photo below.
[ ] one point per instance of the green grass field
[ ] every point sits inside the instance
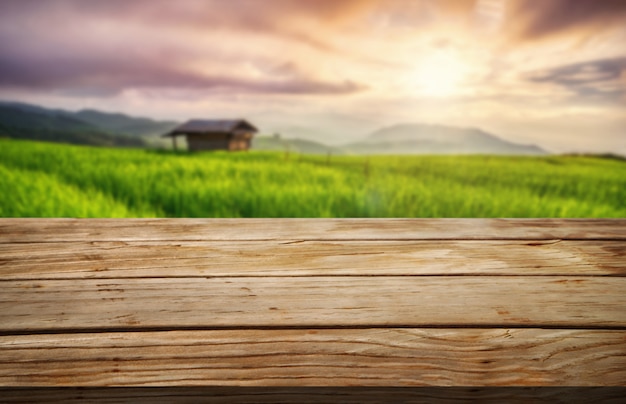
(54, 180)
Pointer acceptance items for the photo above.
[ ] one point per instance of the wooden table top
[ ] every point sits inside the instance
(312, 302)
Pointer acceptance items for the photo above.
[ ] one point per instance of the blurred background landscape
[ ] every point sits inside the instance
(365, 108)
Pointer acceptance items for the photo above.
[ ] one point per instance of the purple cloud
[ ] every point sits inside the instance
(596, 80)
(60, 45)
(538, 19)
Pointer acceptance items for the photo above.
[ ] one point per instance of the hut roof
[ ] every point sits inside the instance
(212, 126)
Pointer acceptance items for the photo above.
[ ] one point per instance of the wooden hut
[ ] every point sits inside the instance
(215, 134)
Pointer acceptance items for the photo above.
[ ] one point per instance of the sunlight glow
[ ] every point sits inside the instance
(440, 74)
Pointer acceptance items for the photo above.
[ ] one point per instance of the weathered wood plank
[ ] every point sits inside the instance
(295, 302)
(398, 357)
(169, 303)
(311, 258)
(58, 230)
(318, 394)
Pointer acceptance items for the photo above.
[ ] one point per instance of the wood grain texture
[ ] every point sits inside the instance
(313, 302)
(389, 357)
(319, 394)
(58, 230)
(274, 258)
(300, 302)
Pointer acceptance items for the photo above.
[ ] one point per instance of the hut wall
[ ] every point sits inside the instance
(209, 141)
(240, 141)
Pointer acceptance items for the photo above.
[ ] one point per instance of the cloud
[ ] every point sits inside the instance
(275, 17)
(154, 53)
(533, 20)
(596, 80)
(104, 48)
(106, 77)
(583, 73)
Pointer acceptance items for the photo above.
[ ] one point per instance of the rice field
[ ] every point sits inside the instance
(53, 180)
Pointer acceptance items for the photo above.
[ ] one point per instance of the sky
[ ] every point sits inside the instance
(545, 72)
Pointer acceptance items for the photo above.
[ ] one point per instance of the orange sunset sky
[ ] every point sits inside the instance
(548, 72)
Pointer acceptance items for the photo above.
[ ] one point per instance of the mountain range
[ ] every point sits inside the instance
(416, 138)
(92, 127)
(88, 127)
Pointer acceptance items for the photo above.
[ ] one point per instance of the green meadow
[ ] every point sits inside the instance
(55, 180)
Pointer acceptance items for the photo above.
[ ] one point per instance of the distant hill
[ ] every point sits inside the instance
(120, 123)
(324, 134)
(436, 139)
(87, 126)
(294, 145)
(40, 124)
(34, 108)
